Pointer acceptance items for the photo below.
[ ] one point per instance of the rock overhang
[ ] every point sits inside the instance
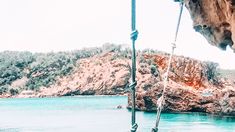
(215, 20)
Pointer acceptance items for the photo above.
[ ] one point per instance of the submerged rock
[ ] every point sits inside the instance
(119, 107)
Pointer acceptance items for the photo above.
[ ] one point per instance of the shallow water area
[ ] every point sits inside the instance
(97, 113)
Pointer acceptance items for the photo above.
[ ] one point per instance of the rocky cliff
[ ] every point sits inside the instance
(191, 87)
(215, 20)
(194, 86)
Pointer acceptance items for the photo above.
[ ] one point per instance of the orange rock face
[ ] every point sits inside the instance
(215, 20)
(186, 71)
(189, 89)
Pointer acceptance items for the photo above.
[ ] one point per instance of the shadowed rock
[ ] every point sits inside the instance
(215, 20)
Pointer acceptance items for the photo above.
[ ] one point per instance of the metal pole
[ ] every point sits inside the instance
(133, 18)
(134, 36)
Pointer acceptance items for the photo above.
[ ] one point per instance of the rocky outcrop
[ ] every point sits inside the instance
(215, 20)
(191, 87)
(180, 98)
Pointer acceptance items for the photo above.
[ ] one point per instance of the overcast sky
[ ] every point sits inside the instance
(58, 25)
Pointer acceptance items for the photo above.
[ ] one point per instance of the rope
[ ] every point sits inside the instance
(133, 84)
(161, 99)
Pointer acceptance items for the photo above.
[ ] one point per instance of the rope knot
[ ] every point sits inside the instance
(134, 35)
(173, 45)
(134, 127)
(155, 130)
(132, 85)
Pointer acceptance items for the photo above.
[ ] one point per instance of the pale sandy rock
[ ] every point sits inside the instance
(26, 94)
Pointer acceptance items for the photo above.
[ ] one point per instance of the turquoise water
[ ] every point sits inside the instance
(96, 114)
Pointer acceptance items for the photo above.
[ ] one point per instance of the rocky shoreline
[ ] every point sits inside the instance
(192, 87)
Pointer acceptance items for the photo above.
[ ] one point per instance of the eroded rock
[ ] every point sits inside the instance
(215, 20)
(190, 88)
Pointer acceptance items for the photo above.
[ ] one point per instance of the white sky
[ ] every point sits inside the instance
(58, 25)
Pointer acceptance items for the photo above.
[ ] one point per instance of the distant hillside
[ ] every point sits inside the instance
(27, 71)
(102, 68)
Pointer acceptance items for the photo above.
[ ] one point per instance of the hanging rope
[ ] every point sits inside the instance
(133, 84)
(162, 98)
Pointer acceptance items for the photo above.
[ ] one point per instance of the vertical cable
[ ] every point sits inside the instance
(134, 36)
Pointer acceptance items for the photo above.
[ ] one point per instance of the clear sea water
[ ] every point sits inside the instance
(96, 114)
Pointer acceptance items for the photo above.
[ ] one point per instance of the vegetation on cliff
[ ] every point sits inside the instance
(31, 71)
(27, 71)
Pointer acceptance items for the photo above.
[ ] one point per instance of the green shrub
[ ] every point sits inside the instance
(12, 65)
(212, 72)
(3, 89)
(14, 91)
(47, 67)
(154, 70)
(108, 47)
